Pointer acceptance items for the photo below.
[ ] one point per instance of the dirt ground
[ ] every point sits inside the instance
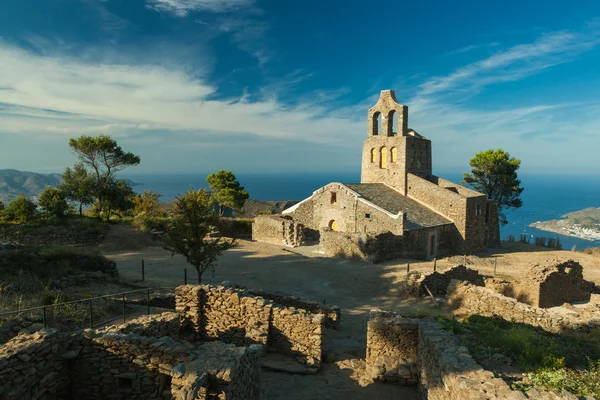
(353, 285)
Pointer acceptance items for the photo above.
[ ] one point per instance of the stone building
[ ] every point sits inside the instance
(428, 216)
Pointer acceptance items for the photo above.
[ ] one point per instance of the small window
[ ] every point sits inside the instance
(373, 155)
(383, 158)
(124, 383)
(333, 198)
(333, 225)
(368, 216)
(478, 210)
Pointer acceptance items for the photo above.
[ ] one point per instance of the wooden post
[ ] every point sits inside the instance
(434, 264)
(143, 271)
(495, 264)
(407, 269)
(465, 260)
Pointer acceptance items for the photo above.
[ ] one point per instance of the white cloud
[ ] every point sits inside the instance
(181, 8)
(45, 92)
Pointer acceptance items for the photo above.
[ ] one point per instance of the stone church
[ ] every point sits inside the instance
(399, 208)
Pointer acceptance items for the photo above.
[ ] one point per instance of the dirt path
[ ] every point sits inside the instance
(355, 286)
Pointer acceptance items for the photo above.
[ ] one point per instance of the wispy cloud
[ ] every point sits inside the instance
(472, 47)
(182, 8)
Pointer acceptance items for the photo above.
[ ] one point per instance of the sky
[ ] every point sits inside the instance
(284, 86)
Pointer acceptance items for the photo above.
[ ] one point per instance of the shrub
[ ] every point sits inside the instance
(234, 227)
(21, 209)
(53, 202)
(524, 238)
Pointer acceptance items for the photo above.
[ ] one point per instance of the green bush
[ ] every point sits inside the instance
(21, 209)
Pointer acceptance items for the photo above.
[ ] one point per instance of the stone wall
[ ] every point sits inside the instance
(348, 210)
(277, 229)
(552, 284)
(437, 282)
(236, 316)
(155, 326)
(392, 343)
(464, 299)
(332, 313)
(448, 372)
(12, 326)
(32, 367)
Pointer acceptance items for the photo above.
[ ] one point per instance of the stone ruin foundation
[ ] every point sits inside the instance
(211, 348)
(278, 229)
(419, 352)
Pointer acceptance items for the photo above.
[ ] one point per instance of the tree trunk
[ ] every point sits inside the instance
(199, 276)
(80, 208)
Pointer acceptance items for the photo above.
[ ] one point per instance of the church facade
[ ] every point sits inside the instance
(398, 209)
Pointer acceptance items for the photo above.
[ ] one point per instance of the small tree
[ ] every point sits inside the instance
(105, 157)
(189, 232)
(117, 195)
(21, 209)
(226, 190)
(53, 202)
(78, 185)
(148, 205)
(494, 173)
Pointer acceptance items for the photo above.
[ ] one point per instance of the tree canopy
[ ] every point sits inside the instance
(189, 232)
(494, 172)
(102, 154)
(226, 190)
(78, 186)
(21, 209)
(52, 201)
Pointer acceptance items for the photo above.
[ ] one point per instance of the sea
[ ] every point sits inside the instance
(545, 197)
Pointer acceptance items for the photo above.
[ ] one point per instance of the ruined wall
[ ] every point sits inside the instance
(298, 334)
(124, 366)
(464, 299)
(416, 242)
(437, 282)
(392, 343)
(332, 313)
(552, 284)
(236, 316)
(31, 367)
(155, 326)
(277, 229)
(11, 326)
(448, 372)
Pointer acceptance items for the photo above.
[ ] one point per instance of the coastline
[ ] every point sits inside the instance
(563, 227)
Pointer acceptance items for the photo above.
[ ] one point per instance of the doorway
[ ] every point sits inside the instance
(432, 246)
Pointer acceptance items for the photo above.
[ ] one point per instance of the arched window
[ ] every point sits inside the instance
(333, 225)
(383, 157)
(394, 155)
(391, 116)
(376, 123)
(373, 155)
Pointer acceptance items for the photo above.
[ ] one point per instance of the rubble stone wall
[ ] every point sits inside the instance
(155, 326)
(31, 367)
(10, 327)
(277, 229)
(392, 343)
(297, 333)
(437, 282)
(464, 299)
(237, 316)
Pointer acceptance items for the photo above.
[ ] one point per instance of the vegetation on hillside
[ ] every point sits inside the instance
(553, 361)
(226, 191)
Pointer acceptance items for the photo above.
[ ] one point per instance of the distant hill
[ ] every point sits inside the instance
(31, 184)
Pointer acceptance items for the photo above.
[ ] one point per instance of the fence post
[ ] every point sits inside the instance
(45, 320)
(91, 316)
(148, 299)
(495, 264)
(465, 260)
(143, 271)
(185, 276)
(434, 264)
(123, 308)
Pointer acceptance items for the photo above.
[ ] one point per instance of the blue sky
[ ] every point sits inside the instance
(284, 86)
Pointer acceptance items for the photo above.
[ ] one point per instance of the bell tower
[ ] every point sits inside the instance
(391, 149)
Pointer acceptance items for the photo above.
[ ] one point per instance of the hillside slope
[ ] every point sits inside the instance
(31, 184)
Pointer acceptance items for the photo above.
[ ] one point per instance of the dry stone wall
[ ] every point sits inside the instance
(32, 367)
(11, 327)
(236, 316)
(392, 343)
(277, 229)
(464, 299)
(437, 282)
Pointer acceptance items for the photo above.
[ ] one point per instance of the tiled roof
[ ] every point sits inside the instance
(417, 215)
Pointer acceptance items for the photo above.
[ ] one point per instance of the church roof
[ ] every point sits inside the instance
(417, 215)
